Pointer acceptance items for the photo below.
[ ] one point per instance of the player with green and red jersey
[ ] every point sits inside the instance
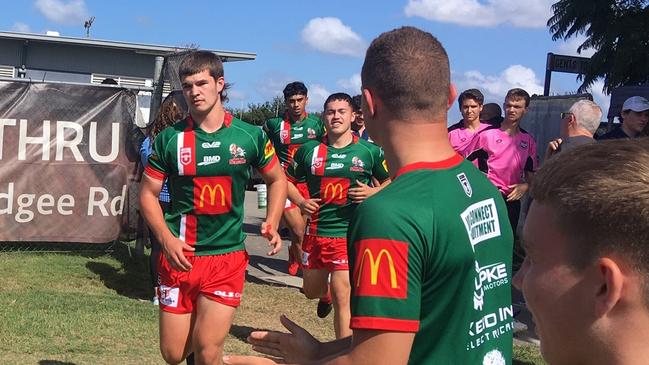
(441, 269)
(287, 135)
(336, 171)
(205, 159)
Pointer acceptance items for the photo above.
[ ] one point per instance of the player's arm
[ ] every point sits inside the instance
(276, 182)
(296, 173)
(379, 174)
(152, 212)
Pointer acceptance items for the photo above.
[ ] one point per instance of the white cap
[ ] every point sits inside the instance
(636, 103)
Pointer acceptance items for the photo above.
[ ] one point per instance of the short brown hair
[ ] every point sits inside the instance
(517, 94)
(197, 61)
(408, 69)
(600, 194)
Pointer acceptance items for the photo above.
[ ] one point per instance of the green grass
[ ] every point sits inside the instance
(80, 308)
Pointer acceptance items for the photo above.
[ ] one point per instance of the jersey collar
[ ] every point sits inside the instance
(355, 139)
(424, 165)
(227, 120)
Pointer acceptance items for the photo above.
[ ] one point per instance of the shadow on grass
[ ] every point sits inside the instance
(242, 332)
(55, 362)
(131, 279)
(517, 362)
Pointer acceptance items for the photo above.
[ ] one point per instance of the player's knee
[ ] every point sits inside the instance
(172, 356)
(208, 354)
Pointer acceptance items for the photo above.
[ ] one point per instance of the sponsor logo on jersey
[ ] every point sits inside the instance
(185, 155)
(212, 194)
(333, 190)
(335, 166)
(298, 128)
(463, 139)
(381, 268)
(317, 162)
(215, 144)
(338, 155)
(169, 296)
(310, 133)
(465, 184)
(269, 150)
(494, 357)
(524, 144)
(227, 294)
(358, 164)
(283, 135)
(487, 278)
(208, 160)
(238, 155)
(296, 136)
(499, 140)
(481, 221)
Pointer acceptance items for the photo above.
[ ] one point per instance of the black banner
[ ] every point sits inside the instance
(66, 161)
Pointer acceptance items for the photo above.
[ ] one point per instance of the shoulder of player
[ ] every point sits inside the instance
(273, 122)
(371, 147)
(527, 134)
(456, 126)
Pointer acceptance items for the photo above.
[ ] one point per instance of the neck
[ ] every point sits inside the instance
(341, 140)
(212, 121)
(626, 344)
(473, 125)
(579, 132)
(510, 127)
(418, 141)
(299, 118)
(628, 132)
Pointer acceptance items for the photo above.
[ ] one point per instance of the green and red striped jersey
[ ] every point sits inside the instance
(287, 136)
(207, 175)
(431, 254)
(329, 172)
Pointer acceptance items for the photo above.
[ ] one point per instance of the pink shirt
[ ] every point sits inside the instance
(461, 138)
(507, 157)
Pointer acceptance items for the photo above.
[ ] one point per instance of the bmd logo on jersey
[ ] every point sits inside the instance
(381, 268)
(333, 190)
(212, 195)
(185, 155)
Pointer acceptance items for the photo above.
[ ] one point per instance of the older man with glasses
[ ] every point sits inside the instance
(578, 126)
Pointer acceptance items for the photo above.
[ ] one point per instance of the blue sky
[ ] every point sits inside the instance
(493, 45)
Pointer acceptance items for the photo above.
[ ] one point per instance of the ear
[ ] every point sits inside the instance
(220, 84)
(370, 102)
(611, 282)
(452, 94)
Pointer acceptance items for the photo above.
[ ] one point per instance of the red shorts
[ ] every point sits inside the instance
(304, 191)
(217, 277)
(329, 253)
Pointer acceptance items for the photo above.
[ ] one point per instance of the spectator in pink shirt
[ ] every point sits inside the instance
(508, 154)
(462, 134)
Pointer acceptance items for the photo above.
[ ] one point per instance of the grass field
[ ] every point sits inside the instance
(94, 308)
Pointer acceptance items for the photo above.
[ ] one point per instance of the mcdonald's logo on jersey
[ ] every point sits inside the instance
(381, 268)
(212, 194)
(333, 190)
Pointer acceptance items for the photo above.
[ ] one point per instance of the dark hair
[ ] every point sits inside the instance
(109, 81)
(295, 88)
(197, 61)
(474, 94)
(516, 94)
(408, 69)
(599, 194)
(339, 96)
(172, 109)
(357, 103)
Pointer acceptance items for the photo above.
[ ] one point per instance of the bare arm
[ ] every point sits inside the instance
(172, 246)
(307, 206)
(276, 182)
(364, 191)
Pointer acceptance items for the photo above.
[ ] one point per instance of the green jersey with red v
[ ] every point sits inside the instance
(287, 136)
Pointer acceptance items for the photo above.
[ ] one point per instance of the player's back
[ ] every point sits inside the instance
(431, 254)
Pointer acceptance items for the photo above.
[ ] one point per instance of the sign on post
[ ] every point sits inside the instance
(565, 64)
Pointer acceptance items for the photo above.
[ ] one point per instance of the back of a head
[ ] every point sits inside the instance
(588, 114)
(600, 195)
(294, 88)
(408, 69)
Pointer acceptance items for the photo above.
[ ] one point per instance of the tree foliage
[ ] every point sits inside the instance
(258, 114)
(619, 32)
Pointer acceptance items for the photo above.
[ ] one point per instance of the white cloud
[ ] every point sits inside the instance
(570, 46)
(20, 27)
(330, 35)
(63, 12)
(494, 87)
(352, 84)
(317, 96)
(490, 13)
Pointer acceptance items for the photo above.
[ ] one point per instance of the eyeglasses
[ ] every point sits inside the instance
(565, 114)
